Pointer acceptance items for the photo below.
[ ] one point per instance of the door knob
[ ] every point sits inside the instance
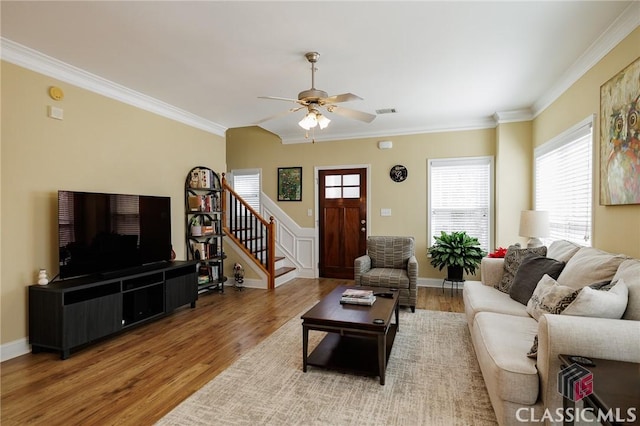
(363, 229)
(362, 221)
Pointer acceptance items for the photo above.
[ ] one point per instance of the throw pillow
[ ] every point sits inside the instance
(531, 270)
(512, 261)
(604, 302)
(550, 297)
(629, 270)
(562, 250)
(589, 265)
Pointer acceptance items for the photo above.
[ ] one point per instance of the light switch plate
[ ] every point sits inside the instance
(385, 212)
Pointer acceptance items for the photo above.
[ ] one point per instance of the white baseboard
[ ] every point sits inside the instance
(437, 282)
(14, 349)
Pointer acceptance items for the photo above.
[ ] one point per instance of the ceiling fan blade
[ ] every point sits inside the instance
(351, 113)
(345, 97)
(276, 98)
(280, 114)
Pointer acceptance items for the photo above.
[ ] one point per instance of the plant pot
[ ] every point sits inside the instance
(196, 231)
(454, 273)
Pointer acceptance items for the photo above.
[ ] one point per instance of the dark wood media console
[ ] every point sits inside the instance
(64, 315)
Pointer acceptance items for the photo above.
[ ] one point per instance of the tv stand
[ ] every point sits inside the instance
(67, 314)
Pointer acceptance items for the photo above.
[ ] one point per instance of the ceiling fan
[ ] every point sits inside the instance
(313, 100)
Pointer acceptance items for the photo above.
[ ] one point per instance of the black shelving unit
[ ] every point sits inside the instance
(203, 225)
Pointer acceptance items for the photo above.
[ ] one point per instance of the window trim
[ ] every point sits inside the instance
(461, 161)
(578, 130)
(240, 172)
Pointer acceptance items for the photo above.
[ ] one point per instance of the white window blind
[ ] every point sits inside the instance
(460, 197)
(246, 183)
(563, 183)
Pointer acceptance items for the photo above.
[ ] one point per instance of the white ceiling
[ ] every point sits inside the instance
(442, 65)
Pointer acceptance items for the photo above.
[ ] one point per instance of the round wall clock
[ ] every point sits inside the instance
(398, 173)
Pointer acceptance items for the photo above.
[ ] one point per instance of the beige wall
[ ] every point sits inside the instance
(252, 147)
(101, 145)
(616, 228)
(513, 180)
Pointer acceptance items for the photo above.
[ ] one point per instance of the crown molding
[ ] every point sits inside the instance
(479, 124)
(33, 60)
(627, 22)
(503, 117)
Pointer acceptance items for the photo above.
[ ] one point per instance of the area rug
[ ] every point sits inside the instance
(432, 378)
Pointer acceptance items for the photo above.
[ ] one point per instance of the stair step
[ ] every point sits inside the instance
(281, 271)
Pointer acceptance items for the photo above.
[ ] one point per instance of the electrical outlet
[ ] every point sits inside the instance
(385, 212)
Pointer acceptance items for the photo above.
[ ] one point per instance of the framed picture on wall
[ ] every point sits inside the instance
(620, 137)
(289, 183)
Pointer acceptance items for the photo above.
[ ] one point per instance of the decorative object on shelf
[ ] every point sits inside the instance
(289, 183)
(534, 224)
(398, 173)
(620, 137)
(458, 252)
(43, 278)
(203, 225)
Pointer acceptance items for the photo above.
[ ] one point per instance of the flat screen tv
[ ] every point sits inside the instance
(100, 233)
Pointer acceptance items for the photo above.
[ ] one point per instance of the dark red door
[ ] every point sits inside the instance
(342, 199)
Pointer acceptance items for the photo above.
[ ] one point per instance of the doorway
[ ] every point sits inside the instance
(342, 227)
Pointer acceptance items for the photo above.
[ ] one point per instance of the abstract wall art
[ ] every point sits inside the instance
(620, 137)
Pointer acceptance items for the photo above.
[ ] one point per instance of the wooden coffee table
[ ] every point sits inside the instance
(354, 344)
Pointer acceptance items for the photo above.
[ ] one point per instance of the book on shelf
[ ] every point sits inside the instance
(367, 301)
(355, 293)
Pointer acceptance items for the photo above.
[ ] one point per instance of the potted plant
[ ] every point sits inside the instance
(196, 226)
(458, 252)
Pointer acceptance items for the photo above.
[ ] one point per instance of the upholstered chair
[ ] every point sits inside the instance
(390, 262)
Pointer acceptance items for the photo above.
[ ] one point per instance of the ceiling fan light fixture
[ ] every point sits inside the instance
(309, 121)
(323, 121)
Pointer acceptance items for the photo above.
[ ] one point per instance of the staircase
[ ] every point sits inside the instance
(253, 234)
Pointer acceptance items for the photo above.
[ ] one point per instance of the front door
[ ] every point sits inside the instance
(342, 200)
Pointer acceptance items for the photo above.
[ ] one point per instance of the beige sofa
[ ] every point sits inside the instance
(523, 389)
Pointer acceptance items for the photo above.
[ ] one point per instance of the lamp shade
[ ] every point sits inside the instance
(534, 224)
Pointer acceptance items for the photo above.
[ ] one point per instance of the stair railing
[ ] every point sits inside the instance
(254, 235)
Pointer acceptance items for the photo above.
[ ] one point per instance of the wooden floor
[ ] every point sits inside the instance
(137, 377)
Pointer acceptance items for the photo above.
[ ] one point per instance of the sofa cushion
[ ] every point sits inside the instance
(562, 250)
(550, 297)
(531, 270)
(609, 301)
(629, 271)
(501, 342)
(512, 261)
(482, 298)
(385, 277)
(588, 266)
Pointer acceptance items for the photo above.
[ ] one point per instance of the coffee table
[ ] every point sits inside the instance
(353, 344)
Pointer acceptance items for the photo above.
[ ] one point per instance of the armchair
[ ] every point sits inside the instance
(390, 262)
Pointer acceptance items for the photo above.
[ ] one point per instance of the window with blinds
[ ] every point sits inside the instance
(460, 198)
(246, 183)
(563, 183)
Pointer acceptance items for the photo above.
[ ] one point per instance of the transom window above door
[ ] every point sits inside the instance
(342, 186)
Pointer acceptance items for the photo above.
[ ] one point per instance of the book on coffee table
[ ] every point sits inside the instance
(368, 301)
(355, 293)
